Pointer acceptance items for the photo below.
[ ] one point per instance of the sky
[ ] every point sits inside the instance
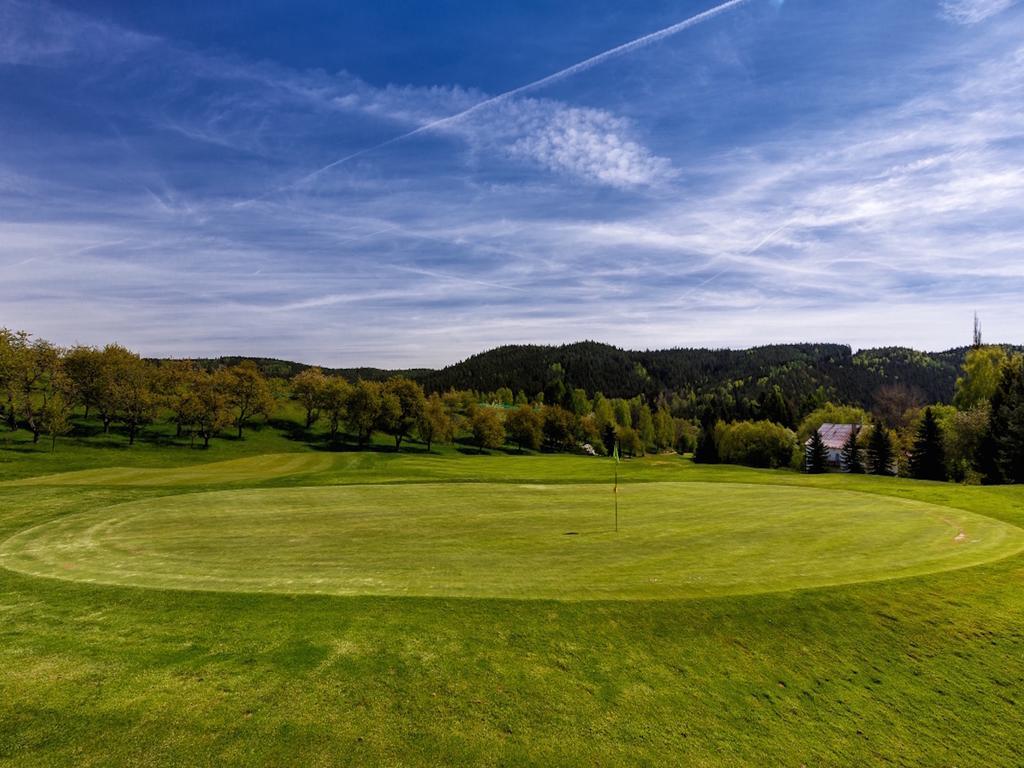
(404, 184)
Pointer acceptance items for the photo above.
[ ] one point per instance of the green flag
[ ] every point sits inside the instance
(615, 452)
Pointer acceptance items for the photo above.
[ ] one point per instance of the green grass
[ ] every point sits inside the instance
(926, 669)
(505, 540)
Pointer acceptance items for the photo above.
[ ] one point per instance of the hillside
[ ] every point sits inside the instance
(737, 381)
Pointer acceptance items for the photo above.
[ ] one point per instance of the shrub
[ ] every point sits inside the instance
(755, 444)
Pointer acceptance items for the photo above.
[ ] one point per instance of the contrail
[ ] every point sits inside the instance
(562, 74)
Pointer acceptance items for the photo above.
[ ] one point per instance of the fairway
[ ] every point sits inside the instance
(509, 540)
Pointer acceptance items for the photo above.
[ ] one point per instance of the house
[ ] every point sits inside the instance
(834, 436)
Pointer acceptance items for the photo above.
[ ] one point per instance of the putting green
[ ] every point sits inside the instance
(518, 541)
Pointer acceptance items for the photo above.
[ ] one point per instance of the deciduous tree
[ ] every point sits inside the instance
(307, 388)
(524, 427)
(405, 404)
(248, 393)
(436, 424)
(487, 429)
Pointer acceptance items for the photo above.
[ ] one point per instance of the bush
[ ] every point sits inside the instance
(755, 444)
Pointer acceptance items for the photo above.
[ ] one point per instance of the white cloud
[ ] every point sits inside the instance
(973, 11)
(592, 144)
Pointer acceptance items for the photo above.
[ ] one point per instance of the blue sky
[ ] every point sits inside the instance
(783, 170)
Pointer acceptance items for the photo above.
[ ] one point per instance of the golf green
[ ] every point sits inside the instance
(688, 539)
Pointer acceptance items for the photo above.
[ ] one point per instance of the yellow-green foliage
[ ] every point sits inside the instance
(754, 443)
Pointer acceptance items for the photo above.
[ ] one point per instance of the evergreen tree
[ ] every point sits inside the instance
(851, 455)
(707, 448)
(928, 461)
(817, 455)
(1001, 453)
(880, 451)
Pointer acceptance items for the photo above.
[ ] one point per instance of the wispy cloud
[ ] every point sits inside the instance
(973, 11)
(734, 208)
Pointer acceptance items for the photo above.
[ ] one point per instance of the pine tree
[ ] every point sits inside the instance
(817, 455)
(928, 461)
(1001, 453)
(851, 455)
(707, 448)
(880, 451)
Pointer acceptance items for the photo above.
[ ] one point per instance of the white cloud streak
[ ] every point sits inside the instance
(555, 77)
(969, 12)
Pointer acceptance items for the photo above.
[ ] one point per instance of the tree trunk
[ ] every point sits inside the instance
(35, 436)
(106, 425)
(309, 419)
(239, 430)
(206, 440)
(131, 435)
(53, 442)
(177, 431)
(398, 442)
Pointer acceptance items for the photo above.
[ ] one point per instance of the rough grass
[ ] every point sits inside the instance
(927, 670)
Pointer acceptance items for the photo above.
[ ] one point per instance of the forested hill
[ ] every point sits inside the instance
(801, 372)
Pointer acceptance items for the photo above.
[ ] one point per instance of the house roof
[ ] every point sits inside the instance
(834, 436)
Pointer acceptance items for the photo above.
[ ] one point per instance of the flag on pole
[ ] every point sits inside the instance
(615, 490)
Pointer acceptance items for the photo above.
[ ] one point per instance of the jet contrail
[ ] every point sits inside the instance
(582, 66)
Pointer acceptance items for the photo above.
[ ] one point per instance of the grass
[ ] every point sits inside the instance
(504, 540)
(922, 670)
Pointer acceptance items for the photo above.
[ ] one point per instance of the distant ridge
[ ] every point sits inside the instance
(799, 370)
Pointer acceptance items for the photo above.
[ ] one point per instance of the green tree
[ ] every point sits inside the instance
(1001, 453)
(645, 427)
(850, 457)
(928, 458)
(174, 382)
(487, 429)
(83, 366)
(115, 363)
(364, 408)
(816, 455)
(524, 426)
(664, 428)
(404, 403)
(559, 428)
(706, 450)
(55, 414)
(307, 389)
(436, 424)
(40, 382)
(580, 403)
(963, 431)
(629, 442)
(880, 451)
(248, 393)
(332, 403)
(623, 413)
(134, 395)
(208, 411)
(981, 371)
(755, 443)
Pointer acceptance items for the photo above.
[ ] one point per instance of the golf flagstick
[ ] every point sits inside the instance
(615, 490)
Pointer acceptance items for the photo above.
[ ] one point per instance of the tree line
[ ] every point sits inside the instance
(978, 437)
(44, 386)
